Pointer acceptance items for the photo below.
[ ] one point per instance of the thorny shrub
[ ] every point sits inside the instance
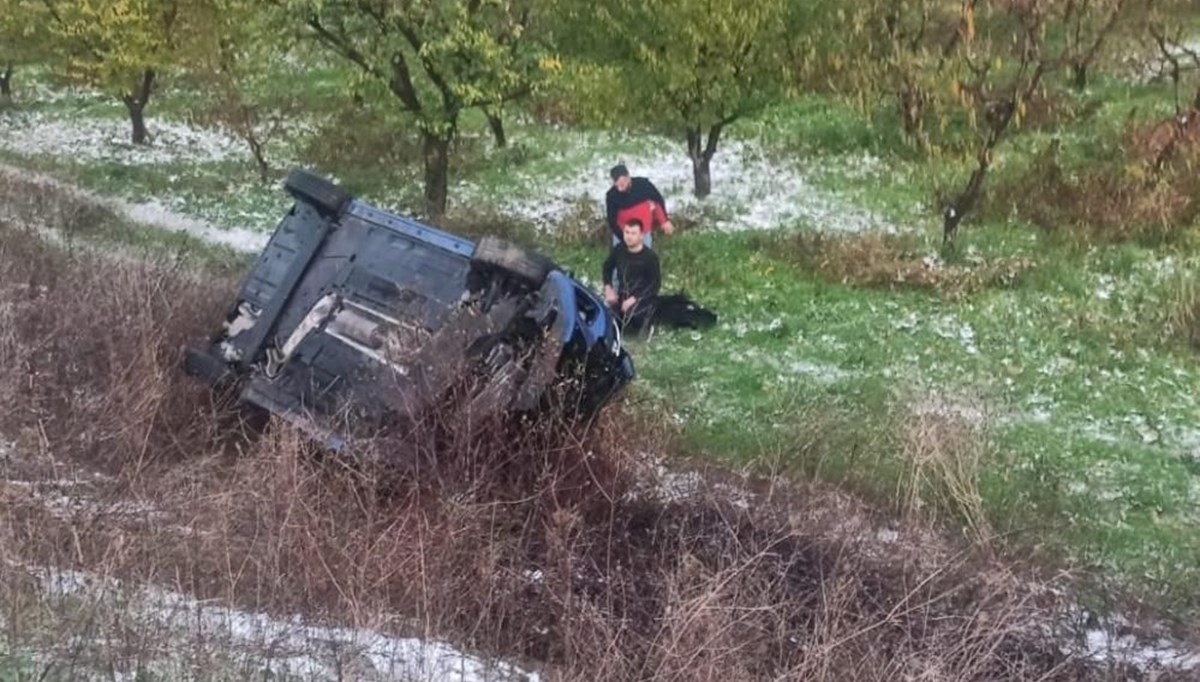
(560, 546)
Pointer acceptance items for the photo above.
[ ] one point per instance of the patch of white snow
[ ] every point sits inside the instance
(283, 648)
(87, 139)
(750, 191)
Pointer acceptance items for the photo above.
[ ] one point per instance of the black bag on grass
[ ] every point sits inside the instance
(676, 311)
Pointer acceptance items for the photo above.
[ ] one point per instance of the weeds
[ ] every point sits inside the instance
(1183, 311)
(944, 458)
(536, 543)
(1144, 192)
(28, 202)
(895, 262)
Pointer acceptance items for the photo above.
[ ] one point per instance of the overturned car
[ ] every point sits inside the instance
(354, 317)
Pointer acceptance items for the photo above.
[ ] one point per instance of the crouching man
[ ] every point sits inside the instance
(632, 278)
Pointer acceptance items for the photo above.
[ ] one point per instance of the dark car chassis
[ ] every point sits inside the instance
(353, 318)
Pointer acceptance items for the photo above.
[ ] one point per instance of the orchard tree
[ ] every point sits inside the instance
(436, 58)
(116, 46)
(1087, 26)
(689, 68)
(1003, 68)
(973, 65)
(895, 50)
(1176, 58)
(998, 66)
(230, 50)
(1169, 39)
(22, 40)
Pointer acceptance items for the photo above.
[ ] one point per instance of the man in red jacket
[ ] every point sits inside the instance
(635, 199)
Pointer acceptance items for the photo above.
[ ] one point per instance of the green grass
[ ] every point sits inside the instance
(1091, 406)
(1092, 430)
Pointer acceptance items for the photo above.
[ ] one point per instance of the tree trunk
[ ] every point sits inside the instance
(436, 150)
(246, 122)
(999, 123)
(702, 177)
(260, 158)
(497, 125)
(701, 152)
(136, 104)
(1079, 75)
(965, 201)
(137, 118)
(6, 84)
(912, 110)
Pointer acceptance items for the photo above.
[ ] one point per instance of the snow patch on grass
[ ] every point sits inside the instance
(33, 91)
(751, 190)
(820, 372)
(1116, 640)
(788, 366)
(1156, 67)
(83, 139)
(154, 214)
(68, 499)
(278, 647)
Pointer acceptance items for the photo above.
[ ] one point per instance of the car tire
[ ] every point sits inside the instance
(528, 266)
(321, 194)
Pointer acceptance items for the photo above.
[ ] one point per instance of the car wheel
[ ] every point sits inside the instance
(321, 194)
(529, 266)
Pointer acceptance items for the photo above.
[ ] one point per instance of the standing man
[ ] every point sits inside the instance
(635, 199)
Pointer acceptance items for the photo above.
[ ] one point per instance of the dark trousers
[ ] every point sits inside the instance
(639, 319)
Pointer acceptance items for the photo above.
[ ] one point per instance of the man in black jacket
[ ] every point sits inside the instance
(638, 277)
(635, 199)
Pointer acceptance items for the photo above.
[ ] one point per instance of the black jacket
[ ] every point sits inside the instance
(637, 274)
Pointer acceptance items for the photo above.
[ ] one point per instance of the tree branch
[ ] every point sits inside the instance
(968, 7)
(414, 40)
(401, 83)
(714, 136)
(1104, 32)
(342, 47)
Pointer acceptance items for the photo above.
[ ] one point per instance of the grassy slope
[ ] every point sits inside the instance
(1089, 408)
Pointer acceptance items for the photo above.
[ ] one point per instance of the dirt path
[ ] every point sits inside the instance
(151, 214)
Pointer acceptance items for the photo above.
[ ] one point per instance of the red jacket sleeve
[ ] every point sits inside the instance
(657, 197)
(658, 214)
